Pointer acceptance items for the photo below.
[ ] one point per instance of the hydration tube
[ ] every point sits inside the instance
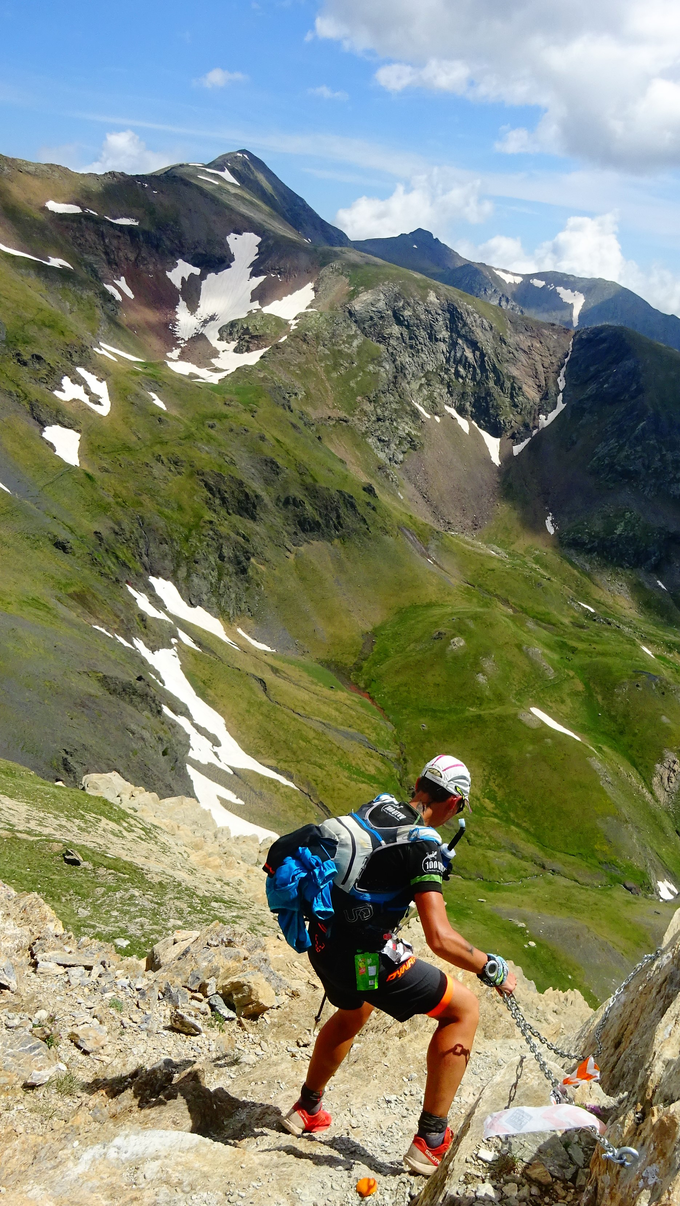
(447, 850)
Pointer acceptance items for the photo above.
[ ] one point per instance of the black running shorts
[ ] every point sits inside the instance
(403, 990)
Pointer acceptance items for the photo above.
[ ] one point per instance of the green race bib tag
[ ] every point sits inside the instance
(367, 967)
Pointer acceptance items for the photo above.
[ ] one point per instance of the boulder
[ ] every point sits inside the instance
(8, 976)
(184, 1023)
(76, 958)
(114, 788)
(169, 949)
(218, 1006)
(250, 994)
(25, 1059)
(89, 1037)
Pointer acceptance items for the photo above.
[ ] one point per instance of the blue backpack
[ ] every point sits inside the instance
(304, 866)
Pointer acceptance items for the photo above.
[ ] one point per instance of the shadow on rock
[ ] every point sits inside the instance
(349, 1153)
(214, 1113)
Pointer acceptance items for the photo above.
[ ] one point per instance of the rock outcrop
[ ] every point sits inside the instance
(639, 1038)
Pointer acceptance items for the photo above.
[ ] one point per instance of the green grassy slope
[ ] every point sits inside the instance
(279, 500)
(131, 883)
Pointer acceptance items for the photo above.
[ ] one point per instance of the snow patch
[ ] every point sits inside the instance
(508, 277)
(228, 362)
(114, 292)
(667, 890)
(224, 174)
(493, 444)
(123, 285)
(181, 273)
(101, 352)
(71, 391)
(553, 723)
(550, 523)
(648, 651)
(118, 352)
(257, 644)
(421, 409)
(52, 262)
(122, 221)
(5, 488)
(61, 207)
(573, 299)
(224, 752)
(289, 307)
(207, 794)
(587, 606)
(538, 284)
(113, 636)
(186, 640)
(660, 583)
(464, 423)
(146, 605)
(175, 604)
(225, 296)
(156, 400)
(546, 420)
(65, 442)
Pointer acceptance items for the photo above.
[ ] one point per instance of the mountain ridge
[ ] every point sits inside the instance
(587, 301)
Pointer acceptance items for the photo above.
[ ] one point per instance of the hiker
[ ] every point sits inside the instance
(384, 856)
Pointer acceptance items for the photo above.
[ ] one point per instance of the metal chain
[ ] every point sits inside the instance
(649, 958)
(526, 1026)
(527, 1032)
(624, 1156)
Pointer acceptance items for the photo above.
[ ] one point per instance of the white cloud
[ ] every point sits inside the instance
(585, 247)
(219, 78)
(124, 151)
(606, 75)
(327, 93)
(434, 200)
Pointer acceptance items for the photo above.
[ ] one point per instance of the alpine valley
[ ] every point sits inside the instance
(281, 517)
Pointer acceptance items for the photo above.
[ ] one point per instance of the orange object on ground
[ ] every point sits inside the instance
(366, 1186)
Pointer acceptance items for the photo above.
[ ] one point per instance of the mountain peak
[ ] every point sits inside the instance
(254, 175)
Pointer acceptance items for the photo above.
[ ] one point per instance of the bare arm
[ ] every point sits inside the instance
(446, 942)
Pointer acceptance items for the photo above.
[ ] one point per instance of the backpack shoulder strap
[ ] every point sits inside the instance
(356, 842)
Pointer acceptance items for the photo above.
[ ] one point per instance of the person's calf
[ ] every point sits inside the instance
(333, 1042)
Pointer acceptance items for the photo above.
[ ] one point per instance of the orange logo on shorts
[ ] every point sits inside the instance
(399, 971)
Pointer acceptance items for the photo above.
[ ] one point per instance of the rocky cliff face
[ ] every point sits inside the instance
(639, 1039)
(438, 351)
(572, 301)
(607, 468)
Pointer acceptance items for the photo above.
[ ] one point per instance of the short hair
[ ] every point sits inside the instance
(436, 791)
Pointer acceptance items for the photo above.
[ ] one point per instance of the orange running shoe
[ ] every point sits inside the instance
(425, 1160)
(298, 1122)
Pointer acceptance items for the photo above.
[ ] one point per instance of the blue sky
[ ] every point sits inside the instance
(389, 113)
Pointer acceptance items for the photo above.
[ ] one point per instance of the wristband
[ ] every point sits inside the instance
(495, 971)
